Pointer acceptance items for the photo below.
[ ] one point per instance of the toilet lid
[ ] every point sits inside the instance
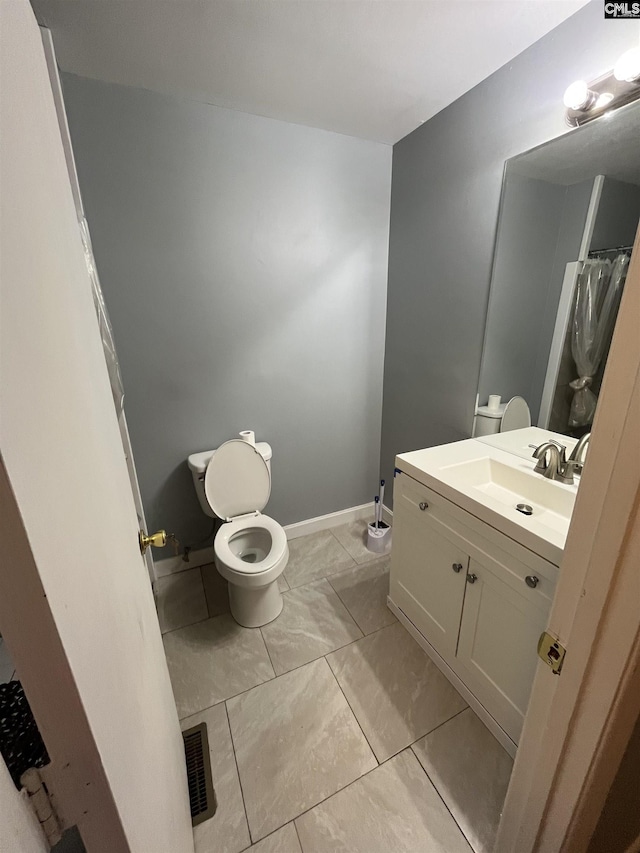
(237, 480)
(516, 415)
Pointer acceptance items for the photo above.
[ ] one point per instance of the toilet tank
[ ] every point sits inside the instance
(487, 421)
(198, 462)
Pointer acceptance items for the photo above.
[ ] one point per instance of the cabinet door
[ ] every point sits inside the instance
(428, 575)
(498, 641)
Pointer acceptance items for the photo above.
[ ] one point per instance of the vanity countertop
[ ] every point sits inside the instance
(488, 481)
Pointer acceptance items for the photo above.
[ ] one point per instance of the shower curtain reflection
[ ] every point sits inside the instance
(598, 293)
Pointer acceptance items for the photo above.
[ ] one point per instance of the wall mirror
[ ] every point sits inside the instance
(568, 218)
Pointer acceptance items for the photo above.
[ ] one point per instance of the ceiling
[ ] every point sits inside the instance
(375, 69)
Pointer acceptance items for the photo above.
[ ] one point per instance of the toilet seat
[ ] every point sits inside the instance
(516, 415)
(233, 567)
(237, 480)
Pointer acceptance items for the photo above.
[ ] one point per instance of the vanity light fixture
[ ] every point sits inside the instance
(586, 101)
(579, 97)
(627, 68)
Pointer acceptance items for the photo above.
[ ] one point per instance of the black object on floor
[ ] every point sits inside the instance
(21, 745)
(202, 797)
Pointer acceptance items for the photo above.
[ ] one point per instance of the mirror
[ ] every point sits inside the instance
(568, 217)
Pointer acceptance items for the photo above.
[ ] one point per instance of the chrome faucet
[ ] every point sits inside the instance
(556, 466)
(549, 466)
(577, 454)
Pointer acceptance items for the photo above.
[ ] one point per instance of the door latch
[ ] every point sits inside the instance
(551, 652)
(157, 540)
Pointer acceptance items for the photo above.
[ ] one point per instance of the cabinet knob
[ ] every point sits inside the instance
(457, 567)
(423, 505)
(532, 581)
(472, 578)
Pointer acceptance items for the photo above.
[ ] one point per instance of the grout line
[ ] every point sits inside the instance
(280, 675)
(364, 633)
(437, 790)
(269, 656)
(439, 726)
(354, 782)
(204, 592)
(189, 624)
(353, 712)
(235, 759)
(326, 577)
(297, 834)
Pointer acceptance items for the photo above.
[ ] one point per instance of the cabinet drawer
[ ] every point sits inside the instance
(513, 563)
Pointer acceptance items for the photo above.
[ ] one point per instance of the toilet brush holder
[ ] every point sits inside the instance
(378, 538)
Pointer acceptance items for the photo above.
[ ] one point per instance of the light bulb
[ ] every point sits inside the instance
(578, 96)
(627, 68)
(603, 99)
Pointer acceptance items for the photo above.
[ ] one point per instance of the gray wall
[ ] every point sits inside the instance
(530, 219)
(540, 230)
(444, 206)
(244, 264)
(618, 213)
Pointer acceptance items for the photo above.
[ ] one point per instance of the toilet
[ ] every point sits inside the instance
(505, 417)
(250, 549)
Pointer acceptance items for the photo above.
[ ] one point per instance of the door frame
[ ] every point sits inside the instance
(578, 725)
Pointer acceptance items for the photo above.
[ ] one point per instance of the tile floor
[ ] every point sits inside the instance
(329, 729)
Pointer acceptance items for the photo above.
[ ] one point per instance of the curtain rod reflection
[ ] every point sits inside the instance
(620, 249)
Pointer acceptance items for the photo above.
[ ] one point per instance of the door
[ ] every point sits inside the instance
(109, 344)
(427, 574)
(498, 638)
(76, 608)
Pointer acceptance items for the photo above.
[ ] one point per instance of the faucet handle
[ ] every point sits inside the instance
(567, 470)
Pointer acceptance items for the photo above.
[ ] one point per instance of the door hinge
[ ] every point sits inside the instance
(40, 800)
(551, 652)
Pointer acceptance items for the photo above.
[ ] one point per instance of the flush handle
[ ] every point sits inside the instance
(471, 578)
(423, 505)
(532, 581)
(457, 567)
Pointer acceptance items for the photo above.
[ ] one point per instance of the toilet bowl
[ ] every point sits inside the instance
(251, 554)
(250, 549)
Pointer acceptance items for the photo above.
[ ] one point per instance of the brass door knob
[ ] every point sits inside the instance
(158, 540)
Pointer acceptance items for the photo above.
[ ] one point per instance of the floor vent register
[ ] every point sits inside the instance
(21, 745)
(202, 797)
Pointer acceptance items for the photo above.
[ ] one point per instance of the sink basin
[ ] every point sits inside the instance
(551, 502)
(489, 482)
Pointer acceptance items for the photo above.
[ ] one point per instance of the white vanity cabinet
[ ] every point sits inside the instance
(478, 598)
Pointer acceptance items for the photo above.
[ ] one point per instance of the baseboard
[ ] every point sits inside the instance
(172, 565)
(494, 727)
(332, 519)
(203, 556)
